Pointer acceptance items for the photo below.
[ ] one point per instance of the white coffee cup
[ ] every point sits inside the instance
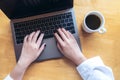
(101, 29)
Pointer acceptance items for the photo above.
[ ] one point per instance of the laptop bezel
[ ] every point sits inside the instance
(7, 11)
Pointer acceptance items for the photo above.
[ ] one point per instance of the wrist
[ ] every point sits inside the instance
(79, 59)
(18, 72)
(23, 64)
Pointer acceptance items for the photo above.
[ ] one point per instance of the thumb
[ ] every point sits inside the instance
(59, 47)
(41, 48)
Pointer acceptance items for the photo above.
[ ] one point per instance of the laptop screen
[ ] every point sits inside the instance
(15, 9)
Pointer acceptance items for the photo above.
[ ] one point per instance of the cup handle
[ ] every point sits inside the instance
(103, 30)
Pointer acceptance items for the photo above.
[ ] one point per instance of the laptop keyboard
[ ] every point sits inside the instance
(47, 25)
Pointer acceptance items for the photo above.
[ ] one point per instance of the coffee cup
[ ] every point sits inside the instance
(94, 22)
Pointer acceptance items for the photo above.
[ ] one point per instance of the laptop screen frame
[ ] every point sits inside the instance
(8, 9)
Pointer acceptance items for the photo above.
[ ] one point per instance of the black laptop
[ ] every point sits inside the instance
(45, 15)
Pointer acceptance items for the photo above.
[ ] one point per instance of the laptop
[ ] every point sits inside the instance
(45, 15)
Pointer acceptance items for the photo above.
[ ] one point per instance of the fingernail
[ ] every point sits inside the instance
(42, 33)
(45, 45)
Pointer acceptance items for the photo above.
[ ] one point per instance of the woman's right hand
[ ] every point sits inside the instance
(67, 44)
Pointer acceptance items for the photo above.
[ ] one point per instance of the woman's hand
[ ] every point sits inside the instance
(32, 48)
(68, 46)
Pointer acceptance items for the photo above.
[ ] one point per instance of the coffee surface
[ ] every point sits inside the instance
(93, 22)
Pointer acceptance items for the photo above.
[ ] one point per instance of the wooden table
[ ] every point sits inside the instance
(105, 45)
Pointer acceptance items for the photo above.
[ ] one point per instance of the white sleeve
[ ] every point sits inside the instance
(94, 69)
(8, 78)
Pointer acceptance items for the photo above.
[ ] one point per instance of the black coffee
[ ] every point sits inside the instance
(93, 22)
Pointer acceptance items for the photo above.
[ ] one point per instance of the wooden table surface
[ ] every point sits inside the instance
(107, 45)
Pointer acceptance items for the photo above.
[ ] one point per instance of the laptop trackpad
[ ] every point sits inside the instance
(50, 51)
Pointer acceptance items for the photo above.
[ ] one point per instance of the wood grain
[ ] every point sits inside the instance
(107, 45)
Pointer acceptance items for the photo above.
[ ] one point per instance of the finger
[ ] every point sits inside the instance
(70, 34)
(26, 39)
(41, 48)
(58, 38)
(62, 34)
(35, 36)
(31, 36)
(40, 39)
(72, 37)
(59, 47)
(65, 32)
